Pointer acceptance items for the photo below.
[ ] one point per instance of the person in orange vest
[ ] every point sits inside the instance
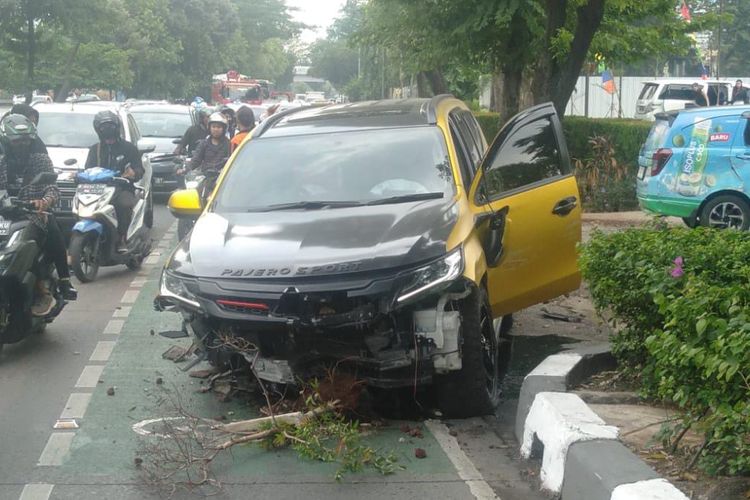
(246, 122)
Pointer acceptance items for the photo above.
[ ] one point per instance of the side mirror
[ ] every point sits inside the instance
(44, 178)
(146, 147)
(746, 115)
(185, 203)
(492, 241)
(70, 162)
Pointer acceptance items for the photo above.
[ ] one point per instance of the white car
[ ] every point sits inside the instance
(67, 130)
(659, 96)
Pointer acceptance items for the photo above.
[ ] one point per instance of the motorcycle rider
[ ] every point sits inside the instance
(246, 121)
(215, 149)
(195, 133)
(104, 154)
(231, 122)
(18, 166)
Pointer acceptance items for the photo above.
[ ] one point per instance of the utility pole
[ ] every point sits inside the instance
(718, 41)
(382, 77)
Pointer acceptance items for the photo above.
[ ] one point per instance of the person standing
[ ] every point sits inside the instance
(739, 93)
(246, 122)
(700, 97)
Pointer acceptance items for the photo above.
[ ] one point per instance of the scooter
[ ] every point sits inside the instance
(22, 265)
(93, 241)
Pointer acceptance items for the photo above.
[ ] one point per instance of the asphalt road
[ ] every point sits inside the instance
(104, 341)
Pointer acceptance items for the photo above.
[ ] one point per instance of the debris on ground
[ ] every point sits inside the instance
(174, 334)
(205, 373)
(159, 381)
(111, 391)
(420, 453)
(175, 353)
(561, 313)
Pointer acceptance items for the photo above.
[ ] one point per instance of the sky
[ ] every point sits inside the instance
(318, 12)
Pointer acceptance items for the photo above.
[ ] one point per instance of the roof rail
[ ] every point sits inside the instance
(433, 104)
(274, 118)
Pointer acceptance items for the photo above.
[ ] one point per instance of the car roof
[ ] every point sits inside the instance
(159, 108)
(88, 107)
(685, 81)
(351, 116)
(715, 111)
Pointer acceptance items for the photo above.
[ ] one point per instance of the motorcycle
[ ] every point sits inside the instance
(22, 265)
(93, 241)
(204, 183)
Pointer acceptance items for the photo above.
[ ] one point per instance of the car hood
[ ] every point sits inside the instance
(283, 244)
(59, 155)
(164, 146)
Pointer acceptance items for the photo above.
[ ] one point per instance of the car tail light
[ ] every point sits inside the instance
(659, 159)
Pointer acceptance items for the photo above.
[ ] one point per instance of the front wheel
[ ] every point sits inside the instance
(475, 388)
(84, 254)
(726, 211)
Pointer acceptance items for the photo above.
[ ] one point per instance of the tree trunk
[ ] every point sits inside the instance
(31, 55)
(511, 91)
(61, 93)
(556, 79)
(423, 86)
(437, 82)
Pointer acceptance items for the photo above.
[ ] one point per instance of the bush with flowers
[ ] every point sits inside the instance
(680, 301)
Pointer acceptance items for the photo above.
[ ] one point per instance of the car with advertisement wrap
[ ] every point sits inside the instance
(384, 238)
(695, 164)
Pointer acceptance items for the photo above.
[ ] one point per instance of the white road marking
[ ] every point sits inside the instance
(114, 327)
(130, 296)
(102, 351)
(138, 282)
(76, 405)
(464, 466)
(56, 449)
(90, 376)
(151, 260)
(37, 491)
(122, 312)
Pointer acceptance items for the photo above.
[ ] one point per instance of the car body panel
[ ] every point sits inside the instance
(709, 149)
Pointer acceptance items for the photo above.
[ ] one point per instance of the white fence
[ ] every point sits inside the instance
(604, 105)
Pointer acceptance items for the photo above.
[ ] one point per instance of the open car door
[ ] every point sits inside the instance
(528, 216)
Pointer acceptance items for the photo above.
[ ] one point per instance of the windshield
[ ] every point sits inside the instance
(67, 130)
(152, 124)
(360, 167)
(657, 136)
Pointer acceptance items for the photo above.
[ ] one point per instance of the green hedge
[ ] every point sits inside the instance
(681, 298)
(626, 138)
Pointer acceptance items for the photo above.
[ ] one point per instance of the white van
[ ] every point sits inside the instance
(662, 95)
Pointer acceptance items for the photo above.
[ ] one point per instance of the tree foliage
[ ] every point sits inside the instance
(148, 48)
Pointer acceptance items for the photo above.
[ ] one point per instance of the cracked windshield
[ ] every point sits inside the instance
(460, 249)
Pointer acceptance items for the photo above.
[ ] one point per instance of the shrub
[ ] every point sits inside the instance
(624, 138)
(682, 298)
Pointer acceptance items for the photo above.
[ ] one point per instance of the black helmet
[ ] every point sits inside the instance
(107, 125)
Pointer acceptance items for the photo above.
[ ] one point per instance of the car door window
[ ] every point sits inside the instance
(474, 151)
(476, 132)
(530, 156)
(134, 134)
(464, 161)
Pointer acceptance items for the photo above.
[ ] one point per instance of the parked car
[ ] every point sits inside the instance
(659, 96)
(68, 131)
(374, 236)
(695, 164)
(164, 125)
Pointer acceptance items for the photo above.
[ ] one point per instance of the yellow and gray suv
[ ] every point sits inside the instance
(381, 237)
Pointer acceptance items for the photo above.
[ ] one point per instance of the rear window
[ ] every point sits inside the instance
(680, 92)
(657, 136)
(648, 91)
(67, 130)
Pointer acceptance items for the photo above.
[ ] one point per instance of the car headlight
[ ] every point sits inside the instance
(436, 274)
(175, 288)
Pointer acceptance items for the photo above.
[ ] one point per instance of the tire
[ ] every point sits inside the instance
(83, 254)
(475, 389)
(148, 217)
(134, 264)
(726, 211)
(690, 222)
(184, 226)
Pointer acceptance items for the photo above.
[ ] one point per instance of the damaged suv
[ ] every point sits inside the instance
(384, 237)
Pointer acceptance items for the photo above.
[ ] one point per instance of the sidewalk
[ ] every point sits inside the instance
(634, 218)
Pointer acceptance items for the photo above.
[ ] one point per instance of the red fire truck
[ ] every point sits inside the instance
(236, 87)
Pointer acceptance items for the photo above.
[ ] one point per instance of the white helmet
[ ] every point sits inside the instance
(218, 118)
